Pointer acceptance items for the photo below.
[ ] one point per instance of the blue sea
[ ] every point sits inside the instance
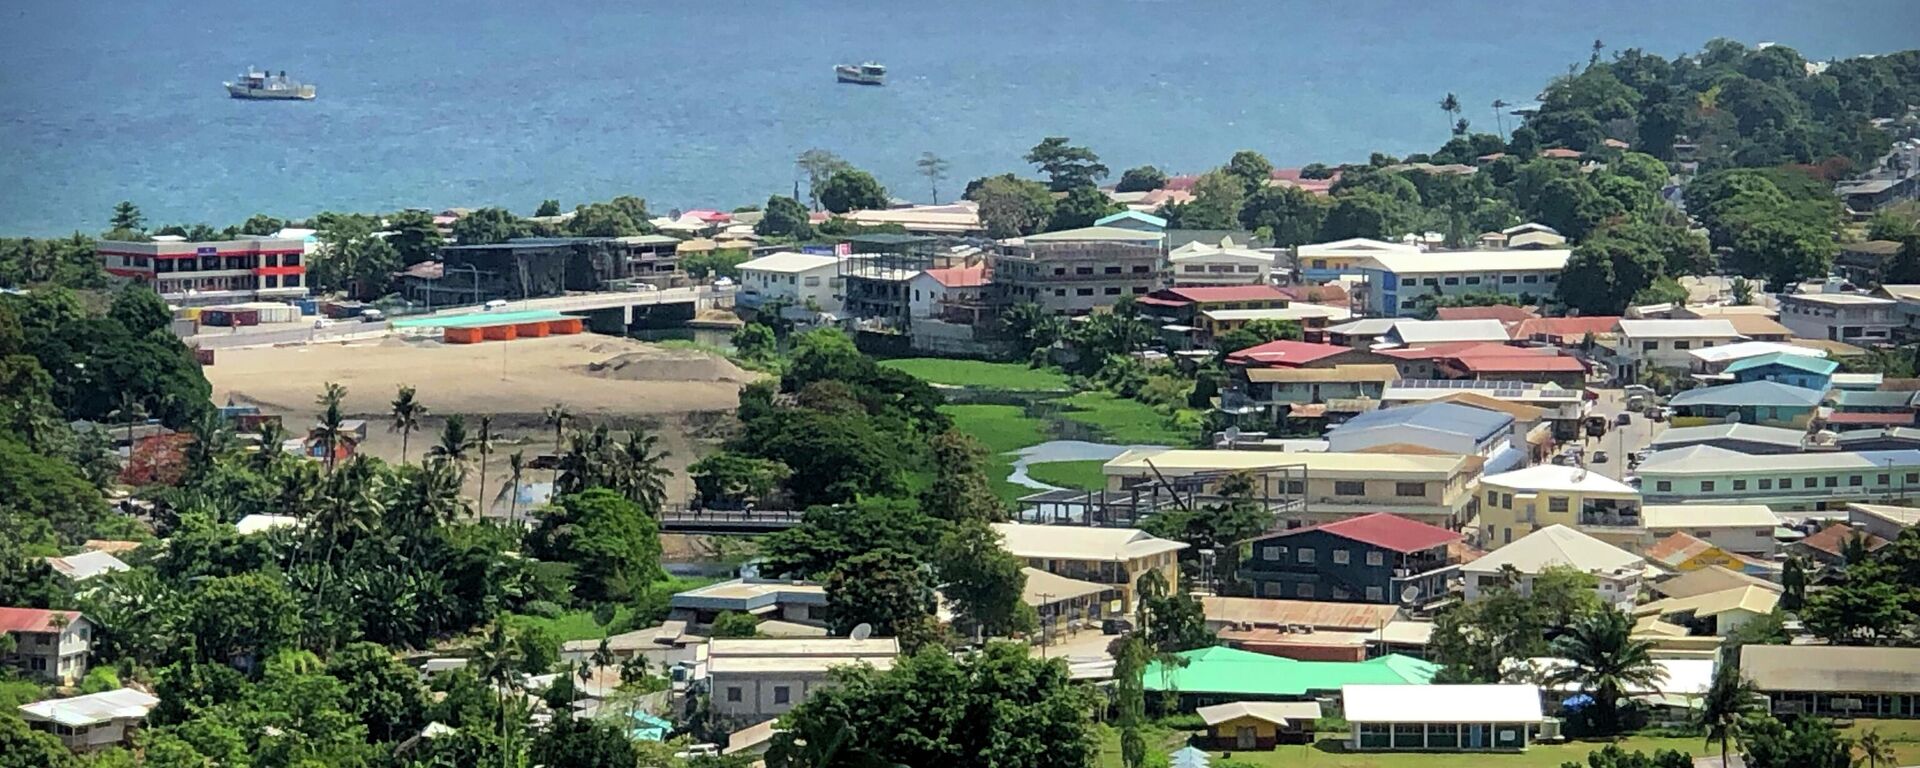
(705, 104)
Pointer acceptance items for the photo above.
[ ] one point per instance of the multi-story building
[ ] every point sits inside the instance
(189, 273)
(1440, 427)
(1666, 344)
(800, 280)
(754, 680)
(1854, 318)
(1200, 263)
(1376, 558)
(1075, 271)
(49, 645)
(1755, 402)
(1515, 504)
(1433, 489)
(529, 267)
(1116, 556)
(1319, 262)
(1742, 529)
(1793, 370)
(1556, 546)
(1396, 282)
(1703, 474)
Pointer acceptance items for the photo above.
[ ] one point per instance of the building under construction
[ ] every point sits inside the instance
(1281, 491)
(875, 277)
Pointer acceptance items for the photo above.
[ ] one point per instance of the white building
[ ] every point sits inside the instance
(753, 680)
(1441, 718)
(1618, 570)
(1716, 358)
(793, 279)
(1199, 263)
(1667, 344)
(1320, 262)
(942, 292)
(1743, 529)
(93, 721)
(86, 565)
(1855, 318)
(1397, 281)
(48, 645)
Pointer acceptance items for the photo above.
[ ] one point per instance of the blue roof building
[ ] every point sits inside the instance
(1443, 427)
(1756, 402)
(1785, 368)
(1144, 222)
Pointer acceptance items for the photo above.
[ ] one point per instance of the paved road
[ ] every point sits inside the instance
(1620, 441)
(603, 300)
(282, 333)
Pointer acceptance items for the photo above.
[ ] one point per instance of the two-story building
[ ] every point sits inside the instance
(751, 680)
(1075, 271)
(1716, 359)
(1286, 353)
(1855, 318)
(1276, 392)
(799, 280)
(1434, 489)
(1803, 371)
(954, 294)
(1835, 680)
(1115, 556)
(797, 602)
(1397, 282)
(1444, 427)
(1767, 403)
(48, 645)
(1703, 474)
(1666, 344)
(1180, 310)
(1320, 262)
(1377, 558)
(1556, 546)
(1515, 504)
(1742, 529)
(187, 273)
(1201, 263)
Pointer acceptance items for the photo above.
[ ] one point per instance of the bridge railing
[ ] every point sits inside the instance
(683, 515)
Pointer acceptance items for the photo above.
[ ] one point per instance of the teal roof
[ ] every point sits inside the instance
(479, 319)
(1231, 671)
(1818, 366)
(1144, 218)
(1094, 234)
(1852, 398)
(1759, 393)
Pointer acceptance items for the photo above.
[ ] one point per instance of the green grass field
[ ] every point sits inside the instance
(976, 373)
(1001, 428)
(1121, 420)
(1903, 734)
(1083, 475)
(579, 625)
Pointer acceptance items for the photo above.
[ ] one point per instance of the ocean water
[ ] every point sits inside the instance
(698, 104)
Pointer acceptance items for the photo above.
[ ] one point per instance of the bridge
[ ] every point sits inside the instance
(679, 518)
(600, 306)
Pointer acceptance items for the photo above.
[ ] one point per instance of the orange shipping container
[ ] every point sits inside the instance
(461, 336)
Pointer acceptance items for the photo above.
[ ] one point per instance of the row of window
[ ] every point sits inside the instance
(1274, 553)
(1195, 269)
(1678, 344)
(1305, 591)
(1505, 501)
(1359, 488)
(781, 694)
(1786, 483)
(1138, 269)
(1475, 280)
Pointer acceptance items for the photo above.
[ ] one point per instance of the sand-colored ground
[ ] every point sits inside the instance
(682, 396)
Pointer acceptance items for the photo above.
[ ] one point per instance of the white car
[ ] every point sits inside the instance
(494, 304)
(723, 283)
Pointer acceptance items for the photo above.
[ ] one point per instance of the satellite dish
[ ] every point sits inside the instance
(1410, 594)
(1233, 436)
(861, 631)
(1732, 417)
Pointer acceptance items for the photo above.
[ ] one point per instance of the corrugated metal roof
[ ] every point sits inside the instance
(1312, 613)
(1761, 393)
(1231, 671)
(1476, 423)
(1442, 704)
(1832, 668)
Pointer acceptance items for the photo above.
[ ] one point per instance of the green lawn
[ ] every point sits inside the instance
(976, 373)
(1082, 475)
(1904, 735)
(1000, 428)
(1122, 420)
(579, 625)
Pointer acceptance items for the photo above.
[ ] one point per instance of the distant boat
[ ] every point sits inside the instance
(269, 86)
(864, 74)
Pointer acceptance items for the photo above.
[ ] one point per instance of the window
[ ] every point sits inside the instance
(1429, 281)
(1059, 291)
(1706, 486)
(1349, 488)
(1376, 559)
(1913, 477)
(1303, 589)
(1304, 554)
(1558, 504)
(1473, 280)
(1493, 498)
(1809, 482)
(1506, 501)
(1884, 480)
(1854, 480)
(1663, 486)
(1083, 270)
(1083, 292)
(1112, 270)
(1060, 271)
(1766, 484)
(1833, 481)
(1270, 589)
(1452, 281)
(1270, 554)
(1192, 269)
(1113, 290)
(1374, 594)
(1739, 485)
(733, 693)
(1296, 487)
(1340, 557)
(1509, 279)
(1340, 593)
(1530, 279)
(1140, 270)
(1409, 489)
(782, 694)
(1649, 346)
(1682, 344)
(1139, 289)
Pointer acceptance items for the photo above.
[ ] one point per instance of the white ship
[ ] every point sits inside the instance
(863, 74)
(269, 86)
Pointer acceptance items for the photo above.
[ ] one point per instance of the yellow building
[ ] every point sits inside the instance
(1433, 489)
(1250, 725)
(1514, 504)
(1102, 556)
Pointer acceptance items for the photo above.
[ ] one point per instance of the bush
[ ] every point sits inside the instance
(735, 624)
(545, 609)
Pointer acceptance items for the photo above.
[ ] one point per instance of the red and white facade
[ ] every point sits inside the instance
(218, 272)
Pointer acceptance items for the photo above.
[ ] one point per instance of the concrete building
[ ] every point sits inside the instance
(1281, 392)
(1666, 344)
(1443, 427)
(1112, 556)
(1782, 368)
(1715, 359)
(1396, 282)
(1066, 606)
(1743, 529)
(207, 273)
(1854, 318)
(953, 294)
(1515, 504)
(1075, 271)
(1200, 263)
(1558, 546)
(1765, 403)
(752, 680)
(1376, 558)
(1442, 718)
(47, 645)
(797, 602)
(801, 280)
(1433, 489)
(93, 721)
(1835, 680)
(1320, 262)
(1883, 520)
(1703, 474)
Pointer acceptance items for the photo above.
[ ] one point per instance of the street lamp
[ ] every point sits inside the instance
(476, 279)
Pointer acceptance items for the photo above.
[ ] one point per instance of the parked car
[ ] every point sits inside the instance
(1623, 419)
(372, 316)
(1599, 457)
(494, 304)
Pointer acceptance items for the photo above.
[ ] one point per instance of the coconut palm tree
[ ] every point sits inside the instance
(558, 417)
(1451, 106)
(483, 444)
(439, 493)
(351, 500)
(329, 431)
(497, 662)
(271, 436)
(453, 443)
(1727, 703)
(516, 465)
(1500, 117)
(407, 413)
(211, 440)
(643, 471)
(1874, 750)
(1605, 662)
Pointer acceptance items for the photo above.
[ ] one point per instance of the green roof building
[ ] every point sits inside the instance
(1230, 674)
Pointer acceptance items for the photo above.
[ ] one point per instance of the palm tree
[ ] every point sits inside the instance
(350, 503)
(516, 464)
(211, 440)
(1451, 106)
(558, 417)
(483, 443)
(1874, 749)
(643, 471)
(1606, 662)
(329, 430)
(1499, 116)
(498, 663)
(440, 500)
(271, 436)
(934, 168)
(407, 413)
(132, 411)
(453, 443)
(1726, 704)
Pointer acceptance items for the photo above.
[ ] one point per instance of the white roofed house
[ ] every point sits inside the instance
(1618, 570)
(1454, 718)
(94, 721)
(1716, 358)
(1412, 332)
(1319, 262)
(1200, 263)
(1117, 557)
(1667, 344)
(752, 680)
(1398, 282)
(1743, 529)
(806, 281)
(86, 565)
(1434, 488)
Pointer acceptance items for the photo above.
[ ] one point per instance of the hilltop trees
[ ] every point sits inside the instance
(1145, 178)
(1011, 206)
(784, 217)
(1066, 166)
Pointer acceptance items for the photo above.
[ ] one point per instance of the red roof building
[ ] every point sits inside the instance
(1388, 532)
(1286, 354)
(1501, 312)
(960, 277)
(1565, 331)
(1330, 294)
(1829, 546)
(35, 619)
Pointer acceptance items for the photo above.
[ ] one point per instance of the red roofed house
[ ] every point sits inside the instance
(50, 645)
(1300, 354)
(1330, 294)
(1565, 331)
(953, 294)
(1487, 361)
(1504, 313)
(1829, 546)
(1184, 305)
(1561, 153)
(1377, 558)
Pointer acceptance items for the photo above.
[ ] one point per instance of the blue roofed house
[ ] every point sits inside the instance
(1445, 427)
(1783, 368)
(1134, 220)
(1767, 403)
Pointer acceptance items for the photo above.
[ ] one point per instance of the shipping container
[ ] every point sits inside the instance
(272, 311)
(309, 307)
(230, 317)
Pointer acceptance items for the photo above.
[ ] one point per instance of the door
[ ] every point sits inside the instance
(1244, 738)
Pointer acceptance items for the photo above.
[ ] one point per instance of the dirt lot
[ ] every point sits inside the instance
(681, 395)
